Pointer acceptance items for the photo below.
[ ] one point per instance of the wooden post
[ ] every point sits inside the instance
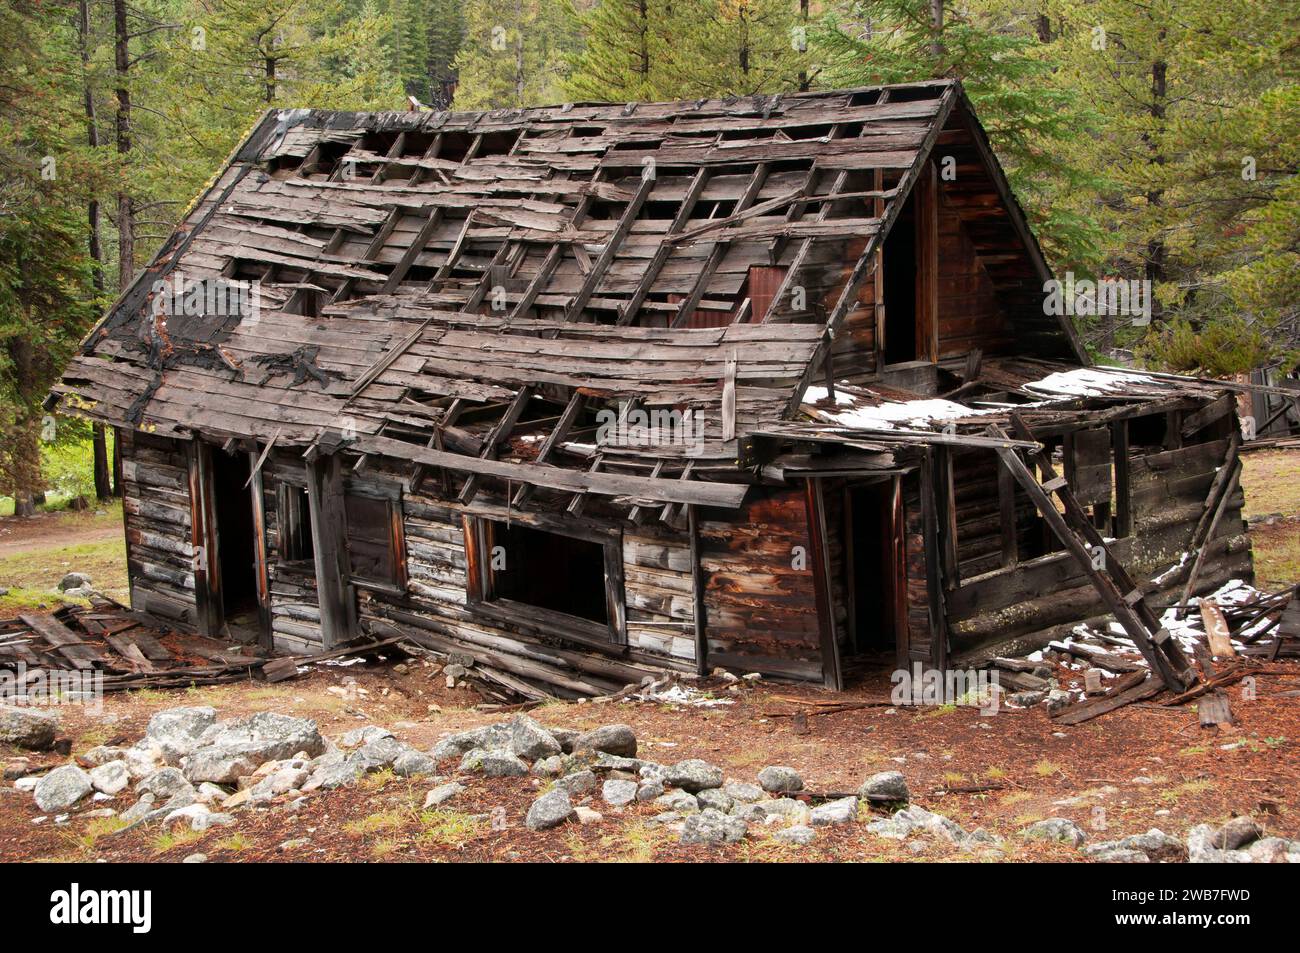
(821, 565)
(698, 613)
(934, 582)
(1119, 451)
(265, 636)
(927, 264)
(334, 592)
(207, 582)
(1007, 517)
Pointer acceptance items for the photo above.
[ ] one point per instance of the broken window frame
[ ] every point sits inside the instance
(293, 524)
(480, 584)
(395, 539)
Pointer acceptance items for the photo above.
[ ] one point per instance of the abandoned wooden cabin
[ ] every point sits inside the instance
(595, 391)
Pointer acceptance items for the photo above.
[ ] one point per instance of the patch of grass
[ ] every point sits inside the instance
(93, 737)
(380, 821)
(1187, 787)
(1268, 477)
(235, 843)
(384, 847)
(97, 827)
(32, 576)
(1191, 751)
(1276, 552)
(149, 695)
(994, 773)
(953, 778)
(938, 711)
(1016, 797)
(1045, 769)
(379, 779)
(448, 828)
(169, 840)
(636, 842)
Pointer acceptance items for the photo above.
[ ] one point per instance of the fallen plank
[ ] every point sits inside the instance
(67, 642)
(1216, 629)
(1134, 687)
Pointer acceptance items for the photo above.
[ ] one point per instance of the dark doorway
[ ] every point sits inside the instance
(873, 568)
(550, 571)
(899, 265)
(232, 504)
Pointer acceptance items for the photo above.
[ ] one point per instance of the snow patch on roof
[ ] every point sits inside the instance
(888, 415)
(1086, 382)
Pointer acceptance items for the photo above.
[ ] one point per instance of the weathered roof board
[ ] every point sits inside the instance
(409, 260)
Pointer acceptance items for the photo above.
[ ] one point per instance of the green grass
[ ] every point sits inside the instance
(32, 576)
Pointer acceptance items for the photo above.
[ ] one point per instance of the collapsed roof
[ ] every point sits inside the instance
(413, 269)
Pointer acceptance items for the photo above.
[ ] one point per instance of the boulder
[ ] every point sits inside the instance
(649, 790)
(75, 580)
(234, 749)
(364, 736)
(178, 731)
(917, 820)
(778, 779)
(885, 787)
(1271, 850)
(618, 793)
(576, 784)
(782, 809)
(529, 740)
(713, 828)
(62, 788)
(102, 754)
(550, 810)
(611, 739)
(378, 754)
(840, 811)
(164, 782)
(798, 835)
(27, 728)
(551, 767)
(678, 802)
(110, 778)
(442, 794)
(693, 775)
(715, 799)
(412, 763)
(585, 815)
(1157, 845)
(217, 765)
(1059, 829)
(333, 774)
(565, 736)
(140, 809)
(741, 791)
(1120, 855)
(502, 764)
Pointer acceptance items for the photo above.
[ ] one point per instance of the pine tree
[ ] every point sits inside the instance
(625, 52)
(515, 53)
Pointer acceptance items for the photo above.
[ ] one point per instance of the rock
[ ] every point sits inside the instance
(550, 810)
(75, 580)
(693, 775)
(364, 736)
(800, 835)
(565, 736)
(102, 754)
(1157, 845)
(1057, 699)
(841, 811)
(585, 815)
(336, 774)
(209, 793)
(678, 802)
(217, 765)
(178, 731)
(1270, 850)
(885, 787)
(442, 794)
(27, 785)
(265, 736)
(277, 783)
(110, 778)
(27, 727)
(1059, 829)
(378, 754)
(613, 763)
(1119, 856)
(62, 788)
(714, 798)
(143, 758)
(618, 793)
(611, 739)
(649, 790)
(140, 809)
(744, 792)
(1236, 833)
(502, 764)
(576, 784)
(412, 763)
(551, 767)
(777, 779)
(198, 817)
(1026, 699)
(529, 740)
(164, 782)
(713, 828)
(913, 819)
(195, 859)
(786, 809)
(454, 746)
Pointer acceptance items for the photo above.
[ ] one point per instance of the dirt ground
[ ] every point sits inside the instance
(1141, 767)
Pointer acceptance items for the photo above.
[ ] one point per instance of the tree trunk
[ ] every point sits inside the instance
(117, 463)
(1157, 254)
(804, 82)
(103, 481)
(270, 79)
(122, 127)
(936, 24)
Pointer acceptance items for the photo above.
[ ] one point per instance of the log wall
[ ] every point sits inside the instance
(157, 514)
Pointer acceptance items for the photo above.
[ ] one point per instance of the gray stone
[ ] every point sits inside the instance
(502, 764)
(566, 737)
(693, 775)
(611, 739)
(265, 736)
(1119, 855)
(62, 788)
(75, 580)
(412, 763)
(778, 779)
(102, 754)
(364, 736)
(140, 809)
(442, 794)
(786, 809)
(614, 763)
(840, 811)
(454, 746)
(177, 731)
(800, 835)
(618, 793)
(1057, 699)
(110, 778)
(529, 740)
(585, 815)
(1059, 829)
(209, 793)
(277, 783)
(195, 859)
(913, 820)
(885, 787)
(551, 767)
(27, 727)
(1157, 845)
(218, 766)
(649, 790)
(164, 782)
(335, 774)
(678, 802)
(714, 798)
(378, 754)
(550, 810)
(576, 784)
(742, 791)
(713, 828)
(1026, 699)
(1270, 850)
(1237, 833)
